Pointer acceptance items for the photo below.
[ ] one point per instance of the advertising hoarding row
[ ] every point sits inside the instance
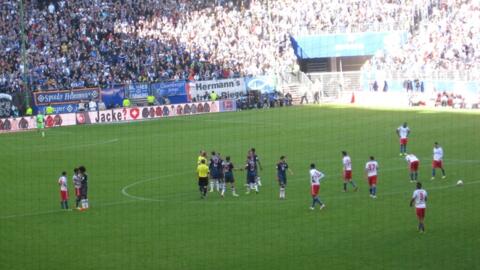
(118, 115)
(178, 92)
(16, 124)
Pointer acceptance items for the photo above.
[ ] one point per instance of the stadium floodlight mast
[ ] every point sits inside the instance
(24, 54)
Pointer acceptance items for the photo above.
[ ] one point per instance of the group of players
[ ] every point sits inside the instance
(419, 197)
(218, 173)
(80, 182)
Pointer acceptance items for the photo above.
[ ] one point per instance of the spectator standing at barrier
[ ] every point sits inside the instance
(151, 100)
(304, 98)
(126, 103)
(29, 111)
(49, 110)
(166, 100)
(316, 97)
(81, 106)
(375, 86)
(288, 99)
(213, 96)
(92, 105)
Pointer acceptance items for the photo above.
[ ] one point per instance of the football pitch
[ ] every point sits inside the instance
(146, 212)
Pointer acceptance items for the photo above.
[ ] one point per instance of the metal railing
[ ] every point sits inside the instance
(455, 75)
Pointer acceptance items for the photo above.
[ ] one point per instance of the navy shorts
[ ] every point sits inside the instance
(251, 178)
(215, 175)
(229, 178)
(83, 192)
(282, 180)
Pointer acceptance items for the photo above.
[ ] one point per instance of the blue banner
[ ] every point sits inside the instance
(264, 84)
(175, 91)
(60, 108)
(344, 45)
(168, 89)
(137, 90)
(113, 96)
(64, 97)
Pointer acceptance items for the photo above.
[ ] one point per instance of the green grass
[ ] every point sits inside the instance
(146, 212)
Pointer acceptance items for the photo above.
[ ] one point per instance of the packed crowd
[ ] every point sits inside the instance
(89, 43)
(448, 40)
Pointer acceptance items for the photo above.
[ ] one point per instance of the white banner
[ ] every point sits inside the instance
(117, 115)
(142, 113)
(229, 88)
(29, 122)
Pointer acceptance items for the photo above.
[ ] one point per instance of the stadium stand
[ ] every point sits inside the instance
(87, 43)
(446, 40)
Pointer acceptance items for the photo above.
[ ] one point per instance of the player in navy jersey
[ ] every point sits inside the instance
(258, 165)
(251, 174)
(282, 168)
(229, 179)
(215, 172)
(221, 179)
(84, 187)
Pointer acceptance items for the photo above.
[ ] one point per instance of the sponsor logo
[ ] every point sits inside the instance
(109, 116)
(134, 113)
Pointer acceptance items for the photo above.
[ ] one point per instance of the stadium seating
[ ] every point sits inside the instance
(72, 44)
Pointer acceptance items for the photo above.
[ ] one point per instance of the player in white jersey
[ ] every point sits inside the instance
(371, 168)
(403, 132)
(413, 164)
(347, 172)
(62, 182)
(437, 160)
(315, 177)
(420, 199)
(77, 183)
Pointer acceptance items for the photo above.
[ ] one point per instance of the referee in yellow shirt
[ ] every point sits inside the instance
(202, 156)
(202, 172)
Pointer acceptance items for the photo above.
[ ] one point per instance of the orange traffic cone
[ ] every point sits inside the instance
(353, 98)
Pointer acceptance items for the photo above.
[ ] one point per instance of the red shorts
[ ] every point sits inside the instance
(315, 189)
(77, 192)
(372, 180)
(420, 212)
(437, 164)
(64, 195)
(347, 175)
(414, 166)
(403, 141)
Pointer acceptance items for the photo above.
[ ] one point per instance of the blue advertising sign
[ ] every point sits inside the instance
(113, 96)
(343, 45)
(65, 96)
(60, 108)
(175, 91)
(137, 90)
(264, 84)
(169, 89)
